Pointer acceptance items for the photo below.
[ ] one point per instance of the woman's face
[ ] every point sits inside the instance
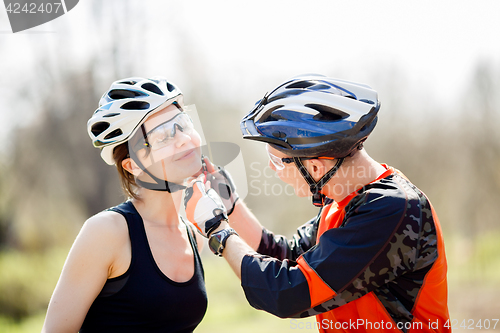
(171, 150)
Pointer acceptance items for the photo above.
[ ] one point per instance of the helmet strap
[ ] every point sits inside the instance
(318, 199)
(160, 184)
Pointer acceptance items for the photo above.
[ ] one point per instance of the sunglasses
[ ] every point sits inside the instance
(163, 135)
(279, 162)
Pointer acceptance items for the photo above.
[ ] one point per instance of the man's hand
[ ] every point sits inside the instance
(222, 183)
(204, 208)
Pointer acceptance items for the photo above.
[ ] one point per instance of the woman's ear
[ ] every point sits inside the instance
(129, 165)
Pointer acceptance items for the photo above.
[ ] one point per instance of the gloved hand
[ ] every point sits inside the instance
(222, 183)
(204, 208)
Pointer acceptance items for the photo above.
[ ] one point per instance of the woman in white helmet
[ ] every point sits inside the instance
(135, 267)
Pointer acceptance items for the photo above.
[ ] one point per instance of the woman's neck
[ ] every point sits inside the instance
(157, 207)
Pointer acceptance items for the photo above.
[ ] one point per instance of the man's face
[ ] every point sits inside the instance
(288, 172)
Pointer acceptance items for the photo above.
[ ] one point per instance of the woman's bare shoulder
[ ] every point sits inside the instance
(108, 218)
(109, 226)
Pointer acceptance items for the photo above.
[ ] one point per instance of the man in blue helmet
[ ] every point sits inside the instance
(373, 259)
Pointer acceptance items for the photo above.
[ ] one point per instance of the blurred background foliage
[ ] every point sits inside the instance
(52, 179)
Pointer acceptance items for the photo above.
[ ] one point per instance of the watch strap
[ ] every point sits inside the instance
(217, 241)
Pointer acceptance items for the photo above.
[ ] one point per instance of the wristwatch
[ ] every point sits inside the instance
(217, 241)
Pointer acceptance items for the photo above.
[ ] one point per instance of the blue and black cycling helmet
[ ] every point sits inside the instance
(314, 115)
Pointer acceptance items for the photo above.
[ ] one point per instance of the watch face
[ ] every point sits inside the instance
(215, 242)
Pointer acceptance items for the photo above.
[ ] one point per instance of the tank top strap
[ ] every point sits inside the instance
(137, 233)
(139, 239)
(194, 245)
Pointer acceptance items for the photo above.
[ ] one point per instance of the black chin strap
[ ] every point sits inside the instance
(160, 184)
(318, 199)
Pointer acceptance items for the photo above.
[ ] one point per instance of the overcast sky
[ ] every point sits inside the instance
(436, 44)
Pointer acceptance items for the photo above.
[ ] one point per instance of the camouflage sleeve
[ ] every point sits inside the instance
(279, 247)
(275, 286)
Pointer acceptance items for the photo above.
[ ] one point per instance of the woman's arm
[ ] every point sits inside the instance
(99, 252)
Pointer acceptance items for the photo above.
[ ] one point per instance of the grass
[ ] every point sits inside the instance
(27, 281)
(473, 260)
(30, 324)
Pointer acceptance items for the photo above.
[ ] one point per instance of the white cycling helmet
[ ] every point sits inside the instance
(125, 107)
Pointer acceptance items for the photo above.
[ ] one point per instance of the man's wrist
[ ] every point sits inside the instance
(218, 239)
(224, 224)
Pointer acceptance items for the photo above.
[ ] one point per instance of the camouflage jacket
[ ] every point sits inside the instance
(385, 243)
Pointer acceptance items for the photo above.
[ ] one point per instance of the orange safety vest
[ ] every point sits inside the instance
(367, 314)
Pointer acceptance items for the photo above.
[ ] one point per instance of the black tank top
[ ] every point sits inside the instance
(144, 299)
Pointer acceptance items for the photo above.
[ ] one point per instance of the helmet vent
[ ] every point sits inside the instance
(279, 134)
(300, 85)
(153, 88)
(122, 93)
(109, 115)
(99, 127)
(320, 87)
(367, 101)
(114, 134)
(135, 105)
(284, 94)
(269, 115)
(327, 113)
(170, 87)
(128, 82)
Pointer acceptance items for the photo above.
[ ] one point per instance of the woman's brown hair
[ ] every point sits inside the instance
(127, 179)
